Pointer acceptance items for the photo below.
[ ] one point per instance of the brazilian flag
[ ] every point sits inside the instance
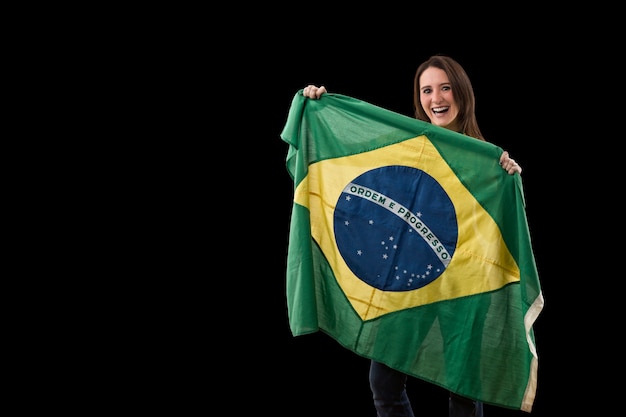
(409, 244)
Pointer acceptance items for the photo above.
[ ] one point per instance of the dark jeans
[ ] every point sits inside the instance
(391, 400)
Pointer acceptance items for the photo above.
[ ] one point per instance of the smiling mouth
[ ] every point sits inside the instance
(440, 110)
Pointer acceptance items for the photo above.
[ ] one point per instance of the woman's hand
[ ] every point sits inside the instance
(312, 91)
(509, 164)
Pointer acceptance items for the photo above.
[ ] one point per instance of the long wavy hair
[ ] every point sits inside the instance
(461, 88)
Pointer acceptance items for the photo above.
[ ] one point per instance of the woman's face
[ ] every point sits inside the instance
(437, 98)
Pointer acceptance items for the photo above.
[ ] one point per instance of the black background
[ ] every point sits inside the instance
(207, 199)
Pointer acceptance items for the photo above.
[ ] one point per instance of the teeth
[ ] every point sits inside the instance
(439, 109)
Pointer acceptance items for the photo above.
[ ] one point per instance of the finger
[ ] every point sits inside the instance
(513, 167)
(309, 91)
(504, 157)
(320, 91)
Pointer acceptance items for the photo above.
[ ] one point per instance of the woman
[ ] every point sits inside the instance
(443, 95)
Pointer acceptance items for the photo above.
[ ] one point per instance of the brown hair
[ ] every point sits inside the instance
(461, 88)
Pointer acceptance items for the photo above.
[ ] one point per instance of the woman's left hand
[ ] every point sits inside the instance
(509, 164)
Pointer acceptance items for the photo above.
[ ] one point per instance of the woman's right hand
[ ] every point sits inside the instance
(313, 91)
